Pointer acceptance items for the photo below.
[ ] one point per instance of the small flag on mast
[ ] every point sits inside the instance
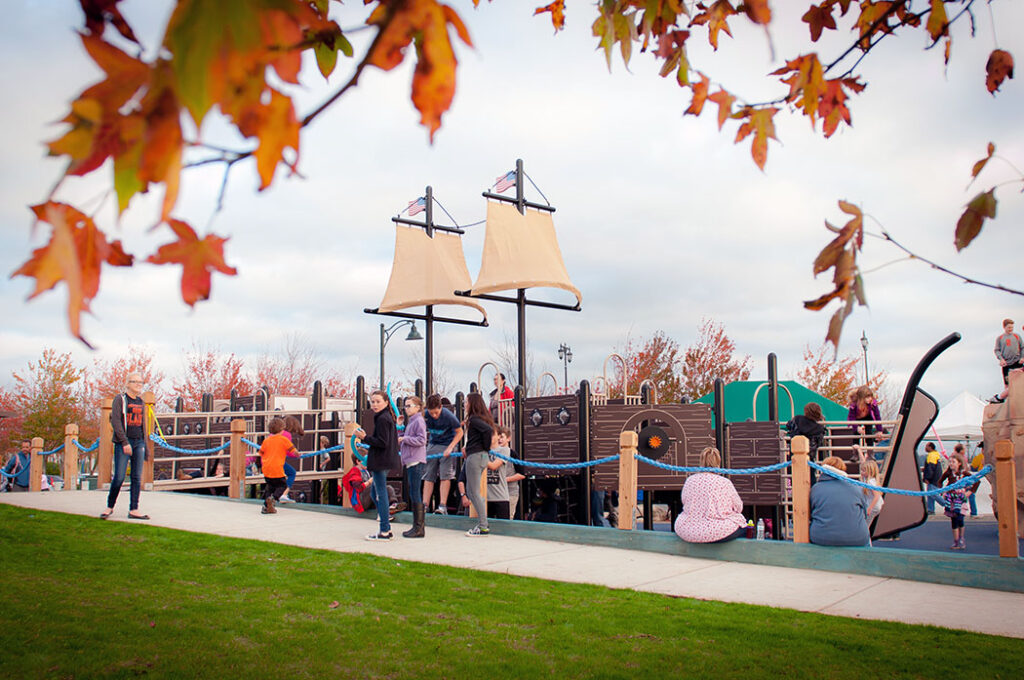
(506, 181)
(417, 206)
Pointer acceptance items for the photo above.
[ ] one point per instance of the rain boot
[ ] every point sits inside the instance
(417, 522)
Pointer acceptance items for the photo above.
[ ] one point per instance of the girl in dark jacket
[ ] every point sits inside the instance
(479, 428)
(381, 457)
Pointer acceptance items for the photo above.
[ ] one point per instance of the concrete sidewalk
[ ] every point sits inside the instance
(839, 594)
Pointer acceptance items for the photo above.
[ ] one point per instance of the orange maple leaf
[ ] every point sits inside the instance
(425, 22)
(805, 84)
(75, 254)
(870, 13)
(557, 9)
(99, 12)
(998, 67)
(938, 23)
(724, 101)
(761, 123)
(717, 19)
(819, 17)
(758, 11)
(197, 258)
(276, 127)
(700, 95)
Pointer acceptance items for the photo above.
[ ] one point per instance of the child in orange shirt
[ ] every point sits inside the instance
(273, 452)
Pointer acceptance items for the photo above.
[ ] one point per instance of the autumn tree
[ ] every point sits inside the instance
(208, 370)
(711, 356)
(48, 395)
(656, 359)
(202, 75)
(290, 368)
(108, 378)
(834, 377)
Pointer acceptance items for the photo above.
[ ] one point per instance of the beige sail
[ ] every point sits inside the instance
(427, 271)
(521, 251)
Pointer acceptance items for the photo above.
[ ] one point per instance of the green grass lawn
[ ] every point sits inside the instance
(84, 598)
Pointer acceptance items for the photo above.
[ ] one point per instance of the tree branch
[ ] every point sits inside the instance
(966, 279)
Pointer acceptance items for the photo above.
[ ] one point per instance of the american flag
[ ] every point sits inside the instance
(506, 181)
(417, 206)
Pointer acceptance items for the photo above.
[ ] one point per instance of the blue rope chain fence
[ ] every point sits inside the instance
(966, 481)
(87, 449)
(720, 471)
(554, 466)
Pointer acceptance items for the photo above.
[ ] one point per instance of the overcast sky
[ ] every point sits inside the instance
(662, 220)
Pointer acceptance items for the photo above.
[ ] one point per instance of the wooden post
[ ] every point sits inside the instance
(800, 447)
(627, 478)
(105, 453)
(147, 429)
(70, 457)
(236, 464)
(1006, 500)
(35, 465)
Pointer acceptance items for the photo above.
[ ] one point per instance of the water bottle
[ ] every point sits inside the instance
(760, 529)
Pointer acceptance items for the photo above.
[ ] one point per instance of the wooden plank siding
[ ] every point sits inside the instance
(551, 441)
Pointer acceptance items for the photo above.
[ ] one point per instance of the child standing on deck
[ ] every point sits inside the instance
(273, 452)
(413, 447)
(292, 429)
(956, 500)
(381, 457)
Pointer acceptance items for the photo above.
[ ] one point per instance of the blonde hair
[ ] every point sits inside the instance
(868, 470)
(835, 462)
(710, 457)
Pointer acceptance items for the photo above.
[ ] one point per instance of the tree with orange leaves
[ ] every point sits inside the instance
(656, 359)
(238, 62)
(711, 356)
(834, 377)
(208, 371)
(46, 397)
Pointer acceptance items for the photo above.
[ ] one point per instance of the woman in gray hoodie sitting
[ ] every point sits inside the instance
(838, 509)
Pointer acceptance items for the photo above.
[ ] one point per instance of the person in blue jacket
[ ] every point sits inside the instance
(838, 509)
(17, 468)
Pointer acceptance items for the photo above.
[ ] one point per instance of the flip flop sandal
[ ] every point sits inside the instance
(130, 516)
(106, 514)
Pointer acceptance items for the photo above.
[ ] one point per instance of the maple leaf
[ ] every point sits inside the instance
(998, 67)
(717, 19)
(724, 101)
(700, 94)
(805, 84)
(841, 255)
(557, 9)
(75, 253)
(672, 48)
(613, 27)
(872, 13)
(819, 17)
(197, 258)
(980, 165)
(759, 122)
(832, 104)
(276, 127)
(100, 12)
(758, 11)
(969, 225)
(425, 22)
(938, 23)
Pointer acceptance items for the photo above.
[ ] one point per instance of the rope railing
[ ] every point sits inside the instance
(554, 466)
(52, 451)
(192, 452)
(87, 449)
(965, 482)
(721, 471)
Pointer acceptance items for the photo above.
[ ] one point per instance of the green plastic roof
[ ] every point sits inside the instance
(739, 401)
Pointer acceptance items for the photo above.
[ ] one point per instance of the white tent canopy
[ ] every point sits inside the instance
(960, 419)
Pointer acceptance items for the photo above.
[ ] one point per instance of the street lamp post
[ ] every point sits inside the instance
(385, 335)
(565, 354)
(864, 346)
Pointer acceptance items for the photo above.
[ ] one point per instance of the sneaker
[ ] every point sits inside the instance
(996, 399)
(963, 544)
(380, 536)
(442, 510)
(285, 499)
(478, 531)
(268, 507)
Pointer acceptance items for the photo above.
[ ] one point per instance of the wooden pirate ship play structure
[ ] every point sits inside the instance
(568, 442)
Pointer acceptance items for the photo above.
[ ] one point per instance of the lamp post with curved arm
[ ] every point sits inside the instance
(565, 354)
(385, 335)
